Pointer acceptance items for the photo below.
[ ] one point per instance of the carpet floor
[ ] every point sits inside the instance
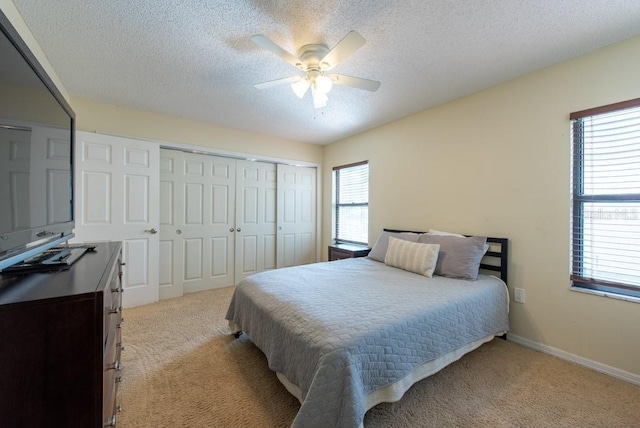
(182, 368)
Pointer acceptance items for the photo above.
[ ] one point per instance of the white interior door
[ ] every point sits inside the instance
(296, 239)
(117, 184)
(255, 218)
(198, 224)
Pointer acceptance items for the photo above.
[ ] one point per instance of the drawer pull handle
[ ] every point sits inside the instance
(118, 379)
(117, 290)
(114, 311)
(120, 345)
(115, 366)
(111, 422)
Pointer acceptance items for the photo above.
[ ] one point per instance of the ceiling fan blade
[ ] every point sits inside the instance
(345, 47)
(271, 83)
(261, 40)
(355, 82)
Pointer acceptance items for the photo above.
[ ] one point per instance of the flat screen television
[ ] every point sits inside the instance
(36, 154)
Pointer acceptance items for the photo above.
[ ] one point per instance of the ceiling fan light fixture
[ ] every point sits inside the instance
(323, 84)
(319, 98)
(300, 87)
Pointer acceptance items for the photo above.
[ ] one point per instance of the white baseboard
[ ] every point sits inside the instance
(594, 365)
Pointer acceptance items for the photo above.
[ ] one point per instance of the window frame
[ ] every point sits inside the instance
(337, 204)
(579, 199)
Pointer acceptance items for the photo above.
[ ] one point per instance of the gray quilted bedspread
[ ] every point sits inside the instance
(340, 330)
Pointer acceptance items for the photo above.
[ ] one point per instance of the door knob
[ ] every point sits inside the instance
(239, 230)
(179, 232)
(152, 231)
(231, 230)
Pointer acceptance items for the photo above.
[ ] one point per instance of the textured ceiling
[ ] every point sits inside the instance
(195, 59)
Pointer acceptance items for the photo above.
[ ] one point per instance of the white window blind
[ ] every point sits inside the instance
(351, 214)
(605, 232)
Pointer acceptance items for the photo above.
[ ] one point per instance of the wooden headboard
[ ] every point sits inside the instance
(495, 259)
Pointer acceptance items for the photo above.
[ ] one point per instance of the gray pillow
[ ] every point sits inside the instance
(458, 257)
(379, 249)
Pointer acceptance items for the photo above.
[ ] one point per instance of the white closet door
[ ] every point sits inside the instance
(255, 218)
(171, 223)
(117, 199)
(296, 240)
(197, 212)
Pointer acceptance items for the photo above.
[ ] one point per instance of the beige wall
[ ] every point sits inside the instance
(124, 121)
(497, 163)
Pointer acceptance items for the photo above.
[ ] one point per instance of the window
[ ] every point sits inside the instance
(605, 232)
(351, 215)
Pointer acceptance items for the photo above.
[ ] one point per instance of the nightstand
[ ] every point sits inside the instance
(347, 251)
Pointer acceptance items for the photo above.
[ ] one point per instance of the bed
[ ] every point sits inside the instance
(346, 335)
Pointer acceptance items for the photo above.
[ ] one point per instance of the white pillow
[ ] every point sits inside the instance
(441, 233)
(412, 256)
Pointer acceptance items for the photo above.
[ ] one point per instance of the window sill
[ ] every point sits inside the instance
(606, 294)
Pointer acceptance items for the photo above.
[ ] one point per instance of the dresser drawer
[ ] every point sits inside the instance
(111, 376)
(112, 303)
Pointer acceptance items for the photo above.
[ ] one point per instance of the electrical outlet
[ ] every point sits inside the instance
(518, 295)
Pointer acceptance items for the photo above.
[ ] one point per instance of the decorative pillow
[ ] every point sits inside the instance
(379, 249)
(458, 257)
(411, 256)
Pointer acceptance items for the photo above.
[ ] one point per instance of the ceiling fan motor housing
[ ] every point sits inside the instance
(311, 55)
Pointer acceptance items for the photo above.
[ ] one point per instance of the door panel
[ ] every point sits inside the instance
(296, 214)
(96, 198)
(166, 265)
(255, 217)
(193, 257)
(171, 224)
(117, 193)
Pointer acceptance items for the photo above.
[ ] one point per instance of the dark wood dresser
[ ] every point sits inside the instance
(60, 343)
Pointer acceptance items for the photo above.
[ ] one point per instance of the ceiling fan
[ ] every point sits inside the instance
(315, 60)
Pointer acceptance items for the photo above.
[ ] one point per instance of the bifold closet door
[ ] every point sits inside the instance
(198, 231)
(117, 194)
(255, 218)
(296, 204)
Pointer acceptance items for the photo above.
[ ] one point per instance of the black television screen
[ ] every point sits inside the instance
(36, 154)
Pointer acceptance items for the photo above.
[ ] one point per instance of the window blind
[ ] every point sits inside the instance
(605, 229)
(352, 203)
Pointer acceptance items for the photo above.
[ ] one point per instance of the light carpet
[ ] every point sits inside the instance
(182, 368)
